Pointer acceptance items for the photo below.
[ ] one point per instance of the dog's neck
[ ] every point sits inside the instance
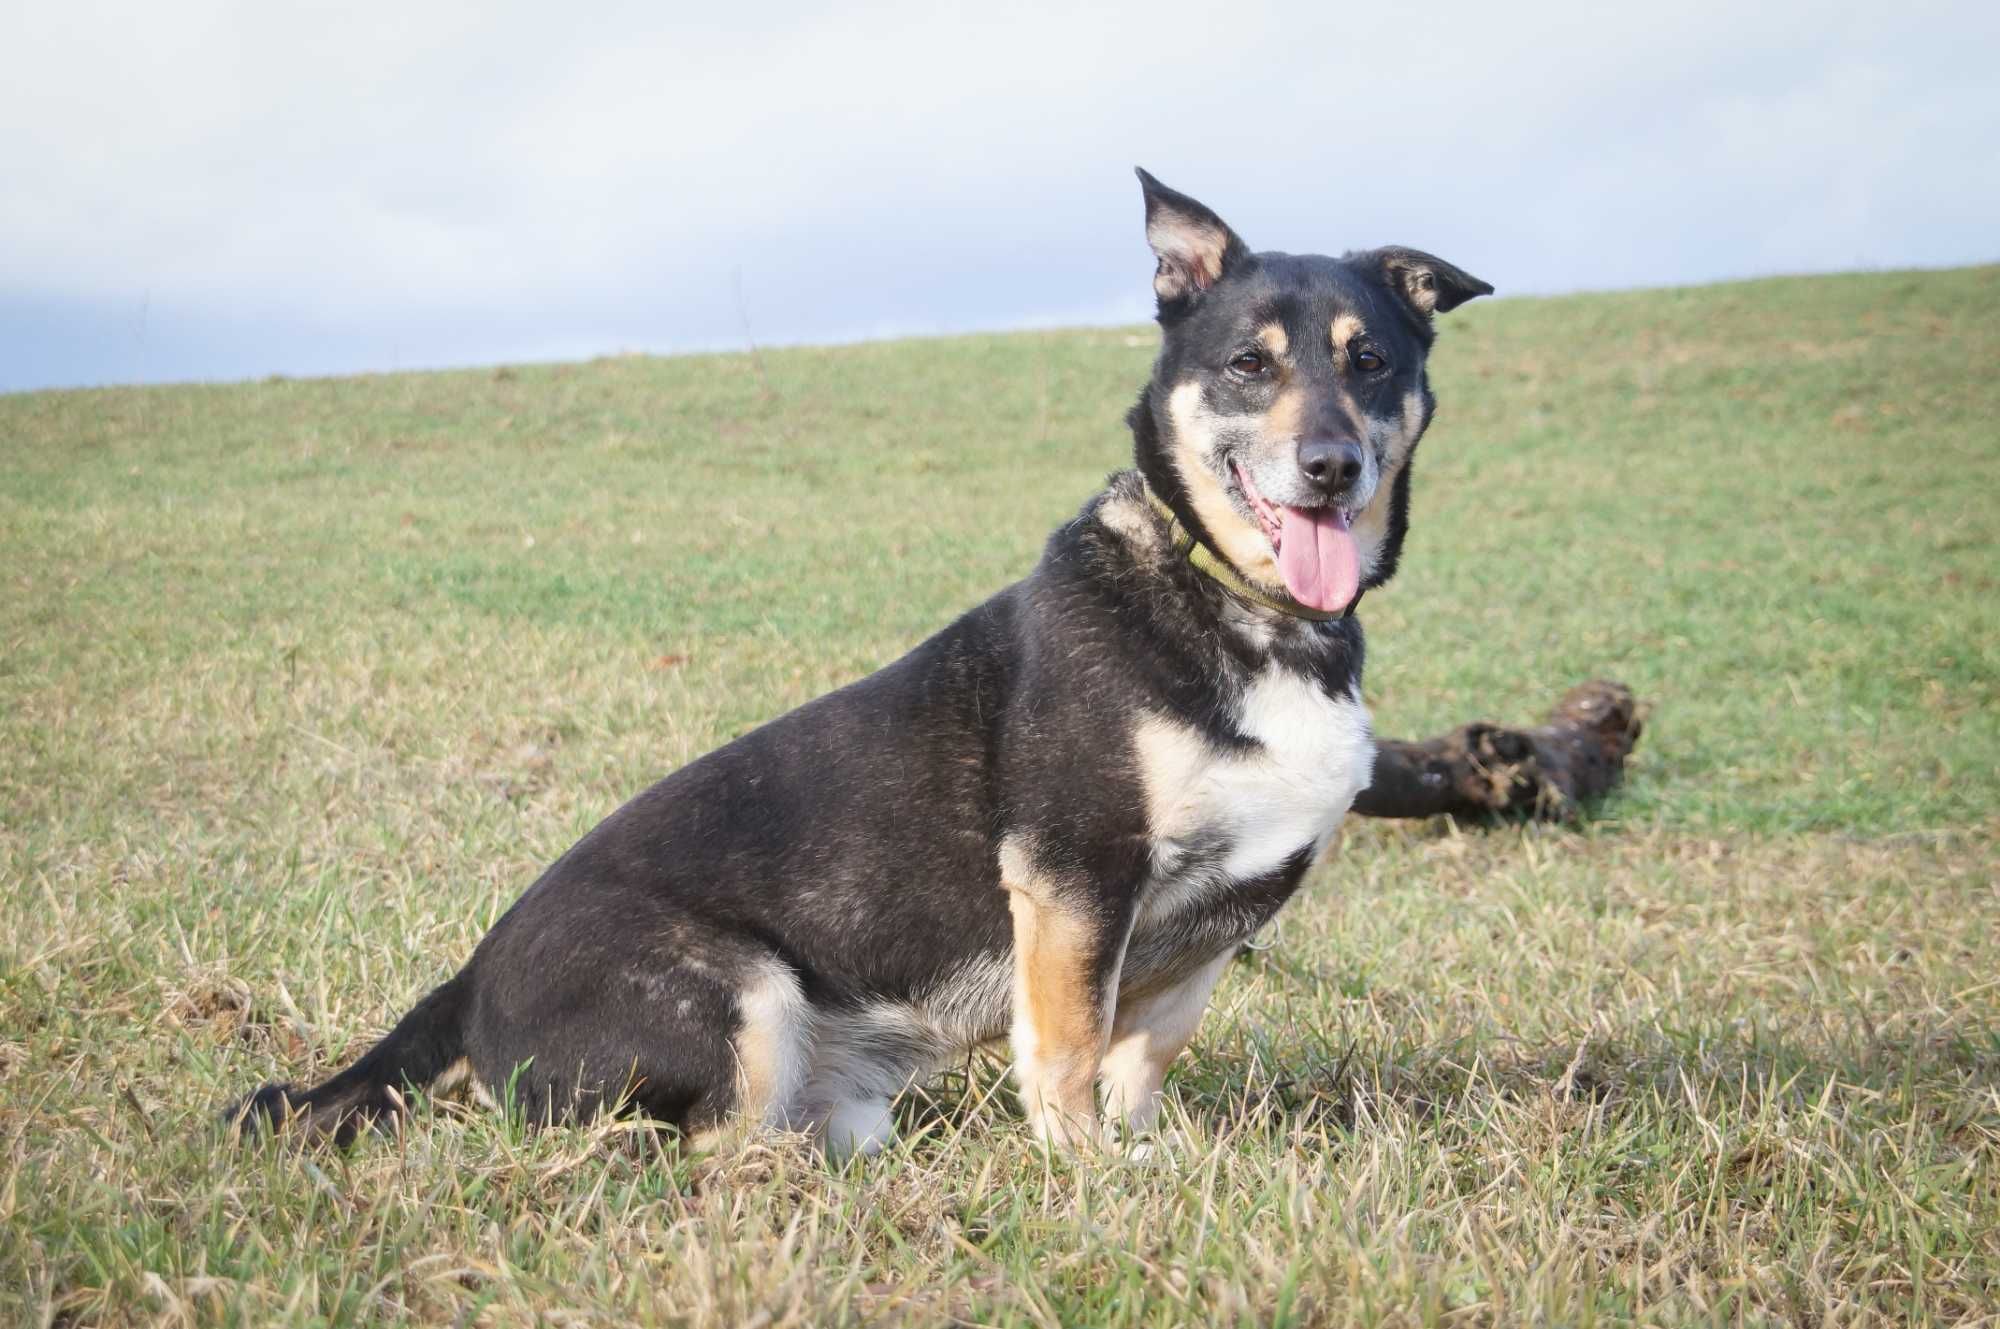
(1163, 481)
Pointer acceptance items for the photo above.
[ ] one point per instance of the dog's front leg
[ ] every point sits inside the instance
(1149, 1032)
(1069, 944)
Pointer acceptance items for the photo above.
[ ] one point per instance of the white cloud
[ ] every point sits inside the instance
(474, 181)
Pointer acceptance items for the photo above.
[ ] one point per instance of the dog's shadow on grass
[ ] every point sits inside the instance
(1724, 1073)
(1704, 1076)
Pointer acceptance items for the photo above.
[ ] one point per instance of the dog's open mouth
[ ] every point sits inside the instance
(1316, 552)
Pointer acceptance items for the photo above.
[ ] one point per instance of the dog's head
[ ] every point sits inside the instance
(1288, 396)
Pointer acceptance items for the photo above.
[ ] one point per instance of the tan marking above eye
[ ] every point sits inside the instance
(1345, 329)
(1274, 338)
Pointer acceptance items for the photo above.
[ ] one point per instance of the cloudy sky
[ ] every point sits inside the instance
(224, 190)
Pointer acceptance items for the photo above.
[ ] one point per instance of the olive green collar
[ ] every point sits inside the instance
(1217, 569)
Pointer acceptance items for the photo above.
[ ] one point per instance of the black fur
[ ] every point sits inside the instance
(852, 846)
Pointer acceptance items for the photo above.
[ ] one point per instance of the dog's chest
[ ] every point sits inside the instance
(1227, 824)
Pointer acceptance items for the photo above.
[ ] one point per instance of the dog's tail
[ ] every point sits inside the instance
(421, 1048)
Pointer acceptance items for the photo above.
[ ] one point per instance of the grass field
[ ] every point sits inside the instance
(302, 682)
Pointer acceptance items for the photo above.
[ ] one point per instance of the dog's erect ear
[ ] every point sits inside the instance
(1193, 245)
(1427, 282)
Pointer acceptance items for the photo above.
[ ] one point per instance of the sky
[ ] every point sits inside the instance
(231, 190)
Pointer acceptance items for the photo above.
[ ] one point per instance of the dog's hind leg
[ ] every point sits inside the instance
(862, 1056)
(659, 1015)
(863, 1126)
(772, 1043)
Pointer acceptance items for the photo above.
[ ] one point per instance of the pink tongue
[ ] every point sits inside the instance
(1317, 558)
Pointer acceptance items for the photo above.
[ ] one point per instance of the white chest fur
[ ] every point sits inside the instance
(1220, 815)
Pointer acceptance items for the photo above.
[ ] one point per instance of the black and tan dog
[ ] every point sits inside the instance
(1054, 821)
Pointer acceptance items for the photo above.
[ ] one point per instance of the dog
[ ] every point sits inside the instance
(1053, 822)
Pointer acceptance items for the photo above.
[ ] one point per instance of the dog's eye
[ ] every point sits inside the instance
(1248, 362)
(1368, 362)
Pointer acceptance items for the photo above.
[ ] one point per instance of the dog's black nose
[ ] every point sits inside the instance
(1331, 464)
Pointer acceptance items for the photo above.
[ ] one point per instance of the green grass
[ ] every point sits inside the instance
(301, 682)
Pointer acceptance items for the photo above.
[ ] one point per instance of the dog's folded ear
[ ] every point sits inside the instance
(1427, 282)
(1193, 245)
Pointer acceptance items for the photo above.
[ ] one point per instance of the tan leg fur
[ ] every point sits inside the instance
(1149, 1032)
(1062, 1014)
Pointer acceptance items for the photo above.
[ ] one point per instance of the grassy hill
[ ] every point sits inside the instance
(302, 681)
